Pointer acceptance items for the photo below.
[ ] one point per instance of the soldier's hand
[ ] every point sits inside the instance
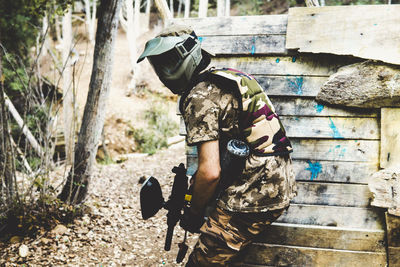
(191, 222)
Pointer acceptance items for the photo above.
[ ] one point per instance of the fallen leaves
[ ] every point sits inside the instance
(113, 233)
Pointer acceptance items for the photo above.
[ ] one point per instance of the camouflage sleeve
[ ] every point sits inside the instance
(201, 114)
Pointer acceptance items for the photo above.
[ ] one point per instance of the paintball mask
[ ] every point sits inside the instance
(174, 59)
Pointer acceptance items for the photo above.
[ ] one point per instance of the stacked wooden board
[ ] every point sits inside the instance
(330, 222)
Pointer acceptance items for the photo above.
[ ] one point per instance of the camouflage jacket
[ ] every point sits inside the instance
(212, 112)
(260, 124)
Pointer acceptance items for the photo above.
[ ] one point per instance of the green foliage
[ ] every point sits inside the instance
(106, 160)
(20, 21)
(29, 219)
(159, 127)
(249, 8)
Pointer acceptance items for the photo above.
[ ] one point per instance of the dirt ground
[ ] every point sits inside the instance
(113, 233)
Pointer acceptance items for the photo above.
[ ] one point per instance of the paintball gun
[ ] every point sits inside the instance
(151, 199)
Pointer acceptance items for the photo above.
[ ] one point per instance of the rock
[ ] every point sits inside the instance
(15, 239)
(45, 240)
(365, 85)
(142, 179)
(23, 251)
(59, 230)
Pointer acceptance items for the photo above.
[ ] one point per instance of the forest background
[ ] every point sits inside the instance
(46, 58)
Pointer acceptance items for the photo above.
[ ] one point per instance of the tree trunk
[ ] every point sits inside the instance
(163, 8)
(7, 181)
(90, 18)
(171, 7)
(68, 103)
(148, 6)
(187, 9)
(311, 3)
(220, 8)
(203, 7)
(76, 187)
(227, 8)
(179, 8)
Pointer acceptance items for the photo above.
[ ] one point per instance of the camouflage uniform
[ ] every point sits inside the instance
(258, 196)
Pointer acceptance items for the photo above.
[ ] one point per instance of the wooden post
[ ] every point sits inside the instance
(390, 137)
(390, 159)
(393, 239)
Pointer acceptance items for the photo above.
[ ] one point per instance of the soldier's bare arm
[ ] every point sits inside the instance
(207, 176)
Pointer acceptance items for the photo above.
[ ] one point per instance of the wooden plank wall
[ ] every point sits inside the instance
(330, 222)
(356, 34)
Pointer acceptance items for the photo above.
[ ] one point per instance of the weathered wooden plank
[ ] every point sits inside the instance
(245, 45)
(237, 25)
(329, 150)
(324, 237)
(278, 255)
(347, 195)
(390, 143)
(356, 35)
(385, 188)
(334, 171)
(296, 106)
(327, 127)
(394, 256)
(323, 65)
(322, 171)
(338, 150)
(287, 85)
(393, 230)
(349, 217)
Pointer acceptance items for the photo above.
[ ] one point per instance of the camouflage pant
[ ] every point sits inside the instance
(226, 234)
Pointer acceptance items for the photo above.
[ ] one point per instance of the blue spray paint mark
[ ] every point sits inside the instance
(296, 85)
(293, 59)
(253, 47)
(341, 154)
(201, 38)
(319, 107)
(277, 60)
(336, 133)
(314, 168)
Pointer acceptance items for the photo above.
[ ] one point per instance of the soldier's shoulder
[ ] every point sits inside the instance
(204, 88)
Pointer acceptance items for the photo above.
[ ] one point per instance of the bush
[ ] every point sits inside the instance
(159, 127)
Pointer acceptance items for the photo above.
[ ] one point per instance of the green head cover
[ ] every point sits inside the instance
(175, 55)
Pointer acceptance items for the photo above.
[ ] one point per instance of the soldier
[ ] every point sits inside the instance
(217, 106)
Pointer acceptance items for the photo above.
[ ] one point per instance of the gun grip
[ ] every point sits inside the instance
(183, 248)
